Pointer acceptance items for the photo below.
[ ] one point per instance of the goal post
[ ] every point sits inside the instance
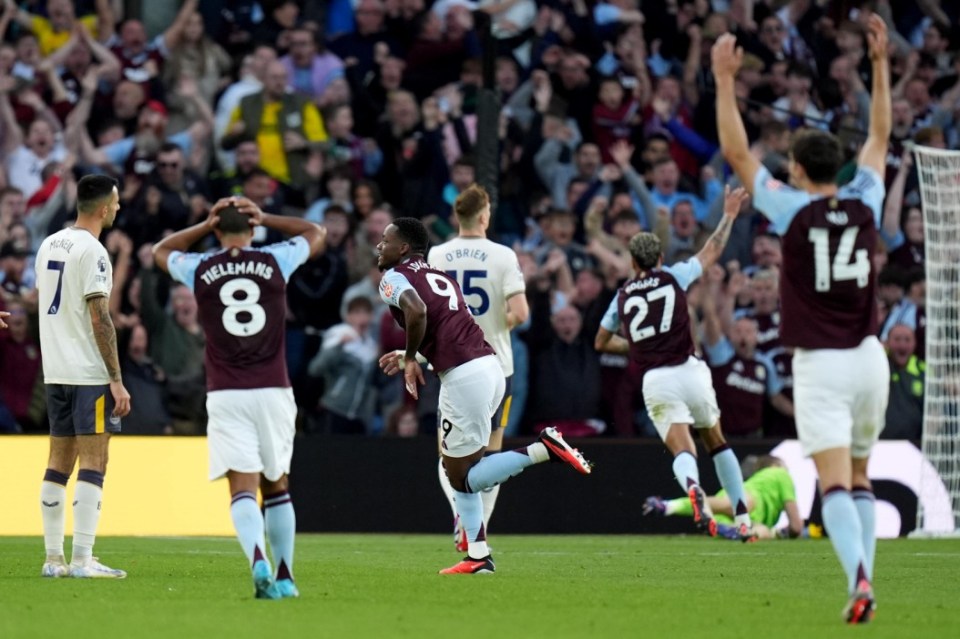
(938, 508)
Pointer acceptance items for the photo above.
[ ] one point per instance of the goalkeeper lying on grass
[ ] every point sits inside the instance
(769, 492)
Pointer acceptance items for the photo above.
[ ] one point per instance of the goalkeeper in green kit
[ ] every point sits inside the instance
(769, 492)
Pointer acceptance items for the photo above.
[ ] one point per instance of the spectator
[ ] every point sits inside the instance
(176, 343)
(369, 44)
(19, 367)
(55, 30)
(346, 361)
(253, 70)
(310, 68)
(287, 127)
(145, 381)
(565, 369)
(907, 372)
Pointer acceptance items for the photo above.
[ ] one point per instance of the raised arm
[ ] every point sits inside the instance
(726, 60)
(713, 249)
(874, 151)
(23, 18)
(13, 136)
(890, 226)
(171, 37)
(105, 20)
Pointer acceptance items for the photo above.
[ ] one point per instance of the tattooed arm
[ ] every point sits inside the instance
(106, 337)
(713, 249)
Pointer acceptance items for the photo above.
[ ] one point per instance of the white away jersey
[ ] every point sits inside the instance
(488, 274)
(72, 267)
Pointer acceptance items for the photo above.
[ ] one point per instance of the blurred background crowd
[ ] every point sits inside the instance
(352, 112)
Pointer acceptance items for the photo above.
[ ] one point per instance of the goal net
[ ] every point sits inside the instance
(938, 510)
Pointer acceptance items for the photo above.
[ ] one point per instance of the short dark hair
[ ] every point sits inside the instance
(413, 232)
(92, 190)
(170, 147)
(256, 172)
(819, 153)
(232, 221)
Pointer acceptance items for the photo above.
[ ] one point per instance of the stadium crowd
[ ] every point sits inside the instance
(352, 112)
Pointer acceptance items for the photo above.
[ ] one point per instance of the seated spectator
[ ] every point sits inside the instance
(346, 361)
(907, 372)
(370, 42)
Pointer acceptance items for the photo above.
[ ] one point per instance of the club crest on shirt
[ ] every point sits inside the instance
(387, 289)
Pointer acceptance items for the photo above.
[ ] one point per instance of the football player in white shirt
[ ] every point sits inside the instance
(81, 371)
(492, 283)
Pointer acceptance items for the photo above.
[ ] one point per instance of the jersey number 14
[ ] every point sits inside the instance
(842, 269)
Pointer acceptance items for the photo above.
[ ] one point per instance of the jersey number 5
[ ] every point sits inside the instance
(639, 333)
(842, 269)
(254, 316)
(469, 288)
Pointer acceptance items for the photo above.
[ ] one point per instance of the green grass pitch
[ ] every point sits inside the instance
(558, 586)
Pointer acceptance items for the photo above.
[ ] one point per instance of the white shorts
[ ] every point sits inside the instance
(251, 431)
(469, 396)
(840, 397)
(681, 394)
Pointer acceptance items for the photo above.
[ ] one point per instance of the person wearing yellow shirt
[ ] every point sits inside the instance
(287, 127)
(55, 30)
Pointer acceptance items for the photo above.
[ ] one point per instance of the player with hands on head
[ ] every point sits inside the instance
(81, 368)
(241, 297)
(677, 387)
(429, 305)
(829, 312)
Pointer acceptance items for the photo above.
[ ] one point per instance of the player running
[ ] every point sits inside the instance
(430, 307)
(827, 286)
(677, 386)
(241, 296)
(488, 274)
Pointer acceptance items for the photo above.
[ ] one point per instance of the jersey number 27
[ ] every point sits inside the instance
(641, 304)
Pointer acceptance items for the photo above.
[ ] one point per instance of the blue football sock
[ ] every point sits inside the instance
(248, 522)
(842, 522)
(281, 524)
(728, 470)
(470, 509)
(866, 505)
(494, 469)
(685, 470)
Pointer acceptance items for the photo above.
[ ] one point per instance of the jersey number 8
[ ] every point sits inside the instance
(256, 315)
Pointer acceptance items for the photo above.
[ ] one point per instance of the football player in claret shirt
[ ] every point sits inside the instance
(828, 292)
(242, 301)
(430, 307)
(677, 389)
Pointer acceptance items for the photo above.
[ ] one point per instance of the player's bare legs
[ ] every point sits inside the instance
(843, 523)
(280, 520)
(731, 478)
(248, 522)
(53, 503)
